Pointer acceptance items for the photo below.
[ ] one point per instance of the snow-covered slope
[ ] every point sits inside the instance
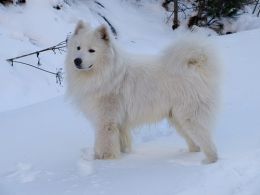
(46, 148)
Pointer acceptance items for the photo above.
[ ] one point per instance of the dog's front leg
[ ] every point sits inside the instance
(107, 142)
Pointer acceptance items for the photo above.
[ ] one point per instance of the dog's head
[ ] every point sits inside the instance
(89, 49)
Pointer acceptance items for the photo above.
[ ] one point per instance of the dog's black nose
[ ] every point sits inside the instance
(78, 62)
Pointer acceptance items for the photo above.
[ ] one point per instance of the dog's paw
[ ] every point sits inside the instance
(126, 149)
(106, 155)
(209, 160)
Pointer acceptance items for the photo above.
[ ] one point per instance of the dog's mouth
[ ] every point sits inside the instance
(82, 68)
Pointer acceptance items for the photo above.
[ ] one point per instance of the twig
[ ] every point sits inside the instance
(98, 3)
(109, 24)
(181, 8)
(58, 74)
(211, 21)
(14, 61)
(59, 46)
(169, 17)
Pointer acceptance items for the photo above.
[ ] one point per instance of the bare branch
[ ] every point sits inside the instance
(59, 46)
(58, 74)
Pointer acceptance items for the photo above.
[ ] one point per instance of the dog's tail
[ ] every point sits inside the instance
(195, 53)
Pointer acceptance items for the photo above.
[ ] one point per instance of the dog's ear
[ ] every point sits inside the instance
(103, 33)
(81, 25)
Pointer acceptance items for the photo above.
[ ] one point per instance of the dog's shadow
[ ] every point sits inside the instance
(176, 156)
(185, 158)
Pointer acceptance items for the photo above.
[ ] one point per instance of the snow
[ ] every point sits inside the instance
(47, 146)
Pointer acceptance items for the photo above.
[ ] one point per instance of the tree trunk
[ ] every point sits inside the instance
(175, 17)
(201, 8)
(257, 2)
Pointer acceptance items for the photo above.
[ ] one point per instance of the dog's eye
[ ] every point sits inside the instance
(78, 48)
(91, 50)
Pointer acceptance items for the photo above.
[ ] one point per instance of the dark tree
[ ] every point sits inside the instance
(7, 2)
(224, 8)
(209, 13)
(206, 13)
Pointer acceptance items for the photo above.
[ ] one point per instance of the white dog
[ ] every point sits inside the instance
(117, 91)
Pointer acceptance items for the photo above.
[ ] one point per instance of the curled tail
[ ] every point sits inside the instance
(195, 53)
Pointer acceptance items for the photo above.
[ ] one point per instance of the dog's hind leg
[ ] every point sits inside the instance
(191, 144)
(201, 136)
(125, 140)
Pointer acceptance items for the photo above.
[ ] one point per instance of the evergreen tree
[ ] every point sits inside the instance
(224, 8)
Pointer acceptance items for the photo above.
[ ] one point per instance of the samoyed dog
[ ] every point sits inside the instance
(118, 91)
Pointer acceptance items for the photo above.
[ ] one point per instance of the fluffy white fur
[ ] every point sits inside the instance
(118, 91)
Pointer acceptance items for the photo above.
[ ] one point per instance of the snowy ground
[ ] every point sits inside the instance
(46, 146)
